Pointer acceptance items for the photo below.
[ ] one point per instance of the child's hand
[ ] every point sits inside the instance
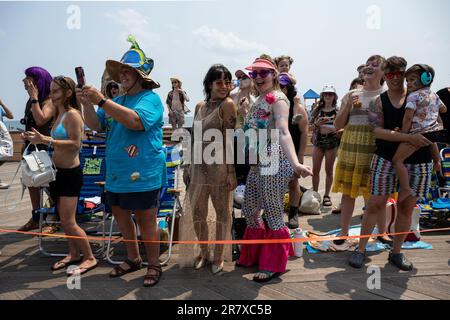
(437, 166)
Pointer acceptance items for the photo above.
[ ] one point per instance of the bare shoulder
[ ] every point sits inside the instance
(199, 105)
(228, 103)
(73, 115)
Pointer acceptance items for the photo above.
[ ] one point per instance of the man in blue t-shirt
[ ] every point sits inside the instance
(135, 158)
(4, 112)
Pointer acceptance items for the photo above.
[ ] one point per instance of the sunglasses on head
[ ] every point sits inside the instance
(262, 73)
(391, 75)
(61, 81)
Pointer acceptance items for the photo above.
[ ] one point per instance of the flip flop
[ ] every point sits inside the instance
(84, 270)
(270, 275)
(65, 264)
(336, 210)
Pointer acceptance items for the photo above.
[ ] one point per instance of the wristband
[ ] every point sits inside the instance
(34, 101)
(102, 102)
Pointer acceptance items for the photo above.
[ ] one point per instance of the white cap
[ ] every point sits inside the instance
(329, 88)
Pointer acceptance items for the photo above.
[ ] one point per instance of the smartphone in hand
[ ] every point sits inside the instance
(81, 80)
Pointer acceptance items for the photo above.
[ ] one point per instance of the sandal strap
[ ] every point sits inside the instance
(132, 264)
(155, 267)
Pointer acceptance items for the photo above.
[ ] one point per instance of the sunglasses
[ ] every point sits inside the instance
(61, 81)
(243, 77)
(262, 73)
(222, 83)
(391, 75)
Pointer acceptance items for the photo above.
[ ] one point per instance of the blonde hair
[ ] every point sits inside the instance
(281, 58)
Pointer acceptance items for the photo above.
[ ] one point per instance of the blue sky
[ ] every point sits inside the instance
(327, 38)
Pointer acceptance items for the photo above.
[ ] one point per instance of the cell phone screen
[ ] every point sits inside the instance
(80, 77)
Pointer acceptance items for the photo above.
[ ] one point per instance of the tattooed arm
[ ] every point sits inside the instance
(229, 115)
(376, 121)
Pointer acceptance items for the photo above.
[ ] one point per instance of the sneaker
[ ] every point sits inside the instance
(356, 259)
(400, 261)
(30, 225)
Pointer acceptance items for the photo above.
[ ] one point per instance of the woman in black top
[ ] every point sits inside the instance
(325, 140)
(39, 114)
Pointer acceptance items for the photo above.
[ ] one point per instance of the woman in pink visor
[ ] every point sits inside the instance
(273, 163)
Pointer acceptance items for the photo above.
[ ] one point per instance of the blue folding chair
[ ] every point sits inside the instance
(170, 205)
(91, 201)
(435, 208)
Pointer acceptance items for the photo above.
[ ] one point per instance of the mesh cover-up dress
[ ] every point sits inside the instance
(207, 188)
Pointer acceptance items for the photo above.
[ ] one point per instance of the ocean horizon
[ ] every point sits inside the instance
(13, 125)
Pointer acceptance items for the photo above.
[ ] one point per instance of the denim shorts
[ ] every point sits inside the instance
(134, 200)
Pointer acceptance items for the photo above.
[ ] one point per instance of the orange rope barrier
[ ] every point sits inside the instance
(268, 241)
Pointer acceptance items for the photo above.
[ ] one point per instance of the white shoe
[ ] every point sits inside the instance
(199, 263)
(4, 185)
(216, 268)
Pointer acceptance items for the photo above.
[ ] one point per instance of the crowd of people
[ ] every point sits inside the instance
(377, 136)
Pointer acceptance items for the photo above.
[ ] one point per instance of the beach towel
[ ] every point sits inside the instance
(351, 244)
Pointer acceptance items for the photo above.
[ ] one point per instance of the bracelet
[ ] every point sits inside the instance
(34, 101)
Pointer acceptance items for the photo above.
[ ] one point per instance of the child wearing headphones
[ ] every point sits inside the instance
(421, 116)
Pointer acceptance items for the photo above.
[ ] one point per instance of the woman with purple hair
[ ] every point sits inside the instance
(39, 114)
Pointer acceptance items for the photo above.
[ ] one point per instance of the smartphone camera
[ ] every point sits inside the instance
(81, 80)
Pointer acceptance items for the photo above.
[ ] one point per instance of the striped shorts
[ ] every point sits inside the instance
(383, 180)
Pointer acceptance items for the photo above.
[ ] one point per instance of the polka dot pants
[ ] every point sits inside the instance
(265, 189)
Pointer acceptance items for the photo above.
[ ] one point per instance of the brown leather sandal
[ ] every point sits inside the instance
(119, 271)
(154, 277)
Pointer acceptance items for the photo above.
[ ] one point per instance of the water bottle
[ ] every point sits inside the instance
(298, 246)
(163, 230)
(236, 82)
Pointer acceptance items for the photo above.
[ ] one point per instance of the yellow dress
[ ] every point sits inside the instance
(352, 175)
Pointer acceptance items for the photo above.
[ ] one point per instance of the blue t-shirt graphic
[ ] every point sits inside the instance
(135, 160)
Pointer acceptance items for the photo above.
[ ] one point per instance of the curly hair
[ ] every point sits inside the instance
(280, 58)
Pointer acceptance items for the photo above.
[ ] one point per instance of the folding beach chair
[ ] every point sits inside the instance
(170, 205)
(91, 201)
(435, 208)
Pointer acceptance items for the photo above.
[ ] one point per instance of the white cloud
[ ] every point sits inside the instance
(136, 24)
(216, 40)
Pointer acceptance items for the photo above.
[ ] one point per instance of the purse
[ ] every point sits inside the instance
(37, 168)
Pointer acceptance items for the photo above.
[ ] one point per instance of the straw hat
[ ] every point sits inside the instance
(134, 58)
(176, 79)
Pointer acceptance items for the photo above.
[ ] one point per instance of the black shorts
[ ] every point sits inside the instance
(68, 183)
(134, 200)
